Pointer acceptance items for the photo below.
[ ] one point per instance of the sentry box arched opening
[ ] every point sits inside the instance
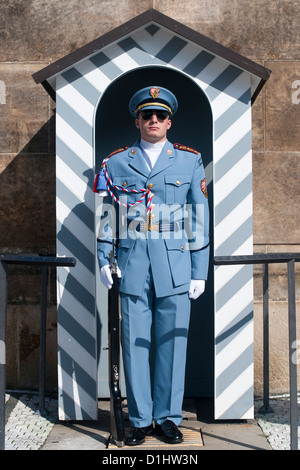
(222, 85)
(193, 124)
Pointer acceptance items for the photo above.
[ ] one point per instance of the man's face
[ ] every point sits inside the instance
(153, 130)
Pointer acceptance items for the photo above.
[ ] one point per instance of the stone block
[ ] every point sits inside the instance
(278, 283)
(24, 284)
(258, 123)
(25, 114)
(260, 31)
(278, 350)
(37, 31)
(283, 107)
(23, 347)
(27, 194)
(276, 198)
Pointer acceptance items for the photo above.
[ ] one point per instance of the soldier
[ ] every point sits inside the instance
(162, 255)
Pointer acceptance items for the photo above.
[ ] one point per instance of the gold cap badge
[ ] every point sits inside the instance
(154, 92)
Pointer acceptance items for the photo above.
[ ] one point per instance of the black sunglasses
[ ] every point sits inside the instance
(161, 115)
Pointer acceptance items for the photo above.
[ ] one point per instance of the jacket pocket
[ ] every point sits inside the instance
(179, 261)
(127, 183)
(177, 188)
(124, 251)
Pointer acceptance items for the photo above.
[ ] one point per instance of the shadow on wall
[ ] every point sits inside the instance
(27, 194)
(28, 226)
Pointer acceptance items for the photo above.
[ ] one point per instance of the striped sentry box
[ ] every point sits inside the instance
(229, 89)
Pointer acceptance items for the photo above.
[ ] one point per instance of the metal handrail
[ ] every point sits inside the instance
(44, 262)
(266, 259)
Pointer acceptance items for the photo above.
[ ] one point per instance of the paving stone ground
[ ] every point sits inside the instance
(276, 426)
(26, 428)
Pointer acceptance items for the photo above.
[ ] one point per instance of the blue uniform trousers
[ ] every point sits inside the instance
(171, 316)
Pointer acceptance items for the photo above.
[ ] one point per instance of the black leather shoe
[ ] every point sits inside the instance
(168, 432)
(138, 435)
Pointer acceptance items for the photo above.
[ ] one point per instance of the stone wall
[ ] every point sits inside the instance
(35, 33)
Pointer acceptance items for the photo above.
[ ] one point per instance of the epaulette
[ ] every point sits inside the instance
(187, 149)
(100, 180)
(121, 149)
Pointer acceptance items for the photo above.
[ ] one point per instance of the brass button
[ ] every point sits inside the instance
(124, 184)
(150, 185)
(177, 182)
(182, 247)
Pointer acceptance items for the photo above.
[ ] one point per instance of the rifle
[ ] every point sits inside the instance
(116, 416)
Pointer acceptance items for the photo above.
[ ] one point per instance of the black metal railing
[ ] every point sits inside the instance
(265, 260)
(44, 262)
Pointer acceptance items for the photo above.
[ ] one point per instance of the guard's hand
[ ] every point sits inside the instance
(197, 287)
(106, 277)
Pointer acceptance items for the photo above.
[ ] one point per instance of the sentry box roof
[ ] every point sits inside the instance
(152, 19)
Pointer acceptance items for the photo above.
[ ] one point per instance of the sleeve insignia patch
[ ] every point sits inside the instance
(185, 148)
(204, 187)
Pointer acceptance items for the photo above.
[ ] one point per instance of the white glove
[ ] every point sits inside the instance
(197, 287)
(106, 277)
(103, 193)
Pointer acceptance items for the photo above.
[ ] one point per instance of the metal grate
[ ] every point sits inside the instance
(192, 438)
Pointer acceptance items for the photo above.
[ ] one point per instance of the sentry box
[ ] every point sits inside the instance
(215, 88)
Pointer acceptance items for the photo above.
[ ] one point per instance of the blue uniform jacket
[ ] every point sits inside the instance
(177, 249)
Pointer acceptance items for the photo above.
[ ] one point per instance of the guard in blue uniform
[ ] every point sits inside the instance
(156, 208)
